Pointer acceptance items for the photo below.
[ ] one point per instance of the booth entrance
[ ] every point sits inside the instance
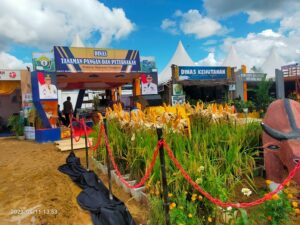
(111, 83)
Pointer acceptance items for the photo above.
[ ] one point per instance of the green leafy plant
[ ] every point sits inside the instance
(263, 98)
(16, 125)
(275, 211)
(219, 156)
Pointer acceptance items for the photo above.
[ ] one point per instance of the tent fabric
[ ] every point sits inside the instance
(77, 42)
(232, 59)
(179, 58)
(272, 62)
(8, 87)
(95, 196)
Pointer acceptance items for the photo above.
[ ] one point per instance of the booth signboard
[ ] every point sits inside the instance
(149, 83)
(70, 59)
(10, 75)
(43, 61)
(178, 99)
(253, 76)
(47, 87)
(44, 96)
(148, 64)
(202, 72)
(177, 89)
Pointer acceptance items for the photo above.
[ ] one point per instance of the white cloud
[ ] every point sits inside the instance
(290, 22)
(44, 23)
(256, 9)
(255, 48)
(169, 26)
(8, 61)
(208, 61)
(193, 23)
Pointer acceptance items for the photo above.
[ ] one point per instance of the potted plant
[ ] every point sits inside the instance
(15, 123)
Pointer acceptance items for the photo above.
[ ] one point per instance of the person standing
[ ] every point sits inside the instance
(68, 110)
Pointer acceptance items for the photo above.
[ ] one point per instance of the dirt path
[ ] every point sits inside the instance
(30, 180)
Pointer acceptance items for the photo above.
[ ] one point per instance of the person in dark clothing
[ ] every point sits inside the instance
(61, 118)
(68, 110)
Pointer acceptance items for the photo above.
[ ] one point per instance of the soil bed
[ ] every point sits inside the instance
(30, 180)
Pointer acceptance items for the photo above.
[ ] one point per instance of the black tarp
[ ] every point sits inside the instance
(95, 196)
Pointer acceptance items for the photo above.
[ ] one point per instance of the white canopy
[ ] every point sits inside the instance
(232, 59)
(77, 42)
(179, 58)
(272, 62)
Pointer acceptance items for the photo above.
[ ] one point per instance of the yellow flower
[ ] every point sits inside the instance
(180, 207)
(170, 195)
(200, 197)
(172, 205)
(295, 204)
(268, 182)
(194, 195)
(190, 215)
(286, 191)
(185, 192)
(297, 211)
(290, 196)
(275, 197)
(209, 219)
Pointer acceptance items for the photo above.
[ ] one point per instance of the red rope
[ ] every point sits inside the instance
(227, 204)
(148, 171)
(72, 128)
(90, 145)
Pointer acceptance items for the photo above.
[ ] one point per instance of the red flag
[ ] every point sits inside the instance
(41, 78)
(143, 78)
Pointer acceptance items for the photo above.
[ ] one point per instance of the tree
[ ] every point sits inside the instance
(263, 98)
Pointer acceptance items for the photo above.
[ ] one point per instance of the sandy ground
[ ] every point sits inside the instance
(30, 180)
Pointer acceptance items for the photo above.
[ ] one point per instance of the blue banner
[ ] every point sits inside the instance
(202, 72)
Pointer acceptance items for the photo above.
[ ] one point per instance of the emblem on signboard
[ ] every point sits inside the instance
(12, 75)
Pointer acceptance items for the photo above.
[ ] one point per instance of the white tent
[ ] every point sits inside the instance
(208, 61)
(232, 59)
(272, 62)
(77, 42)
(179, 58)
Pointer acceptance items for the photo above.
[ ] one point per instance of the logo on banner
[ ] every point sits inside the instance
(43, 61)
(12, 75)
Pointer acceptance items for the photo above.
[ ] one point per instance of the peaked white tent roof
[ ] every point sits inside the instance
(208, 61)
(77, 42)
(179, 58)
(232, 59)
(272, 62)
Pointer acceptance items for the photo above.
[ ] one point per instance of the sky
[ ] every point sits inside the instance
(207, 28)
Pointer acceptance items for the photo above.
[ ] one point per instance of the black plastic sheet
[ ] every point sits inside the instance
(95, 196)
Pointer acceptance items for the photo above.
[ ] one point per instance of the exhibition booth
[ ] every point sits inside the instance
(70, 68)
